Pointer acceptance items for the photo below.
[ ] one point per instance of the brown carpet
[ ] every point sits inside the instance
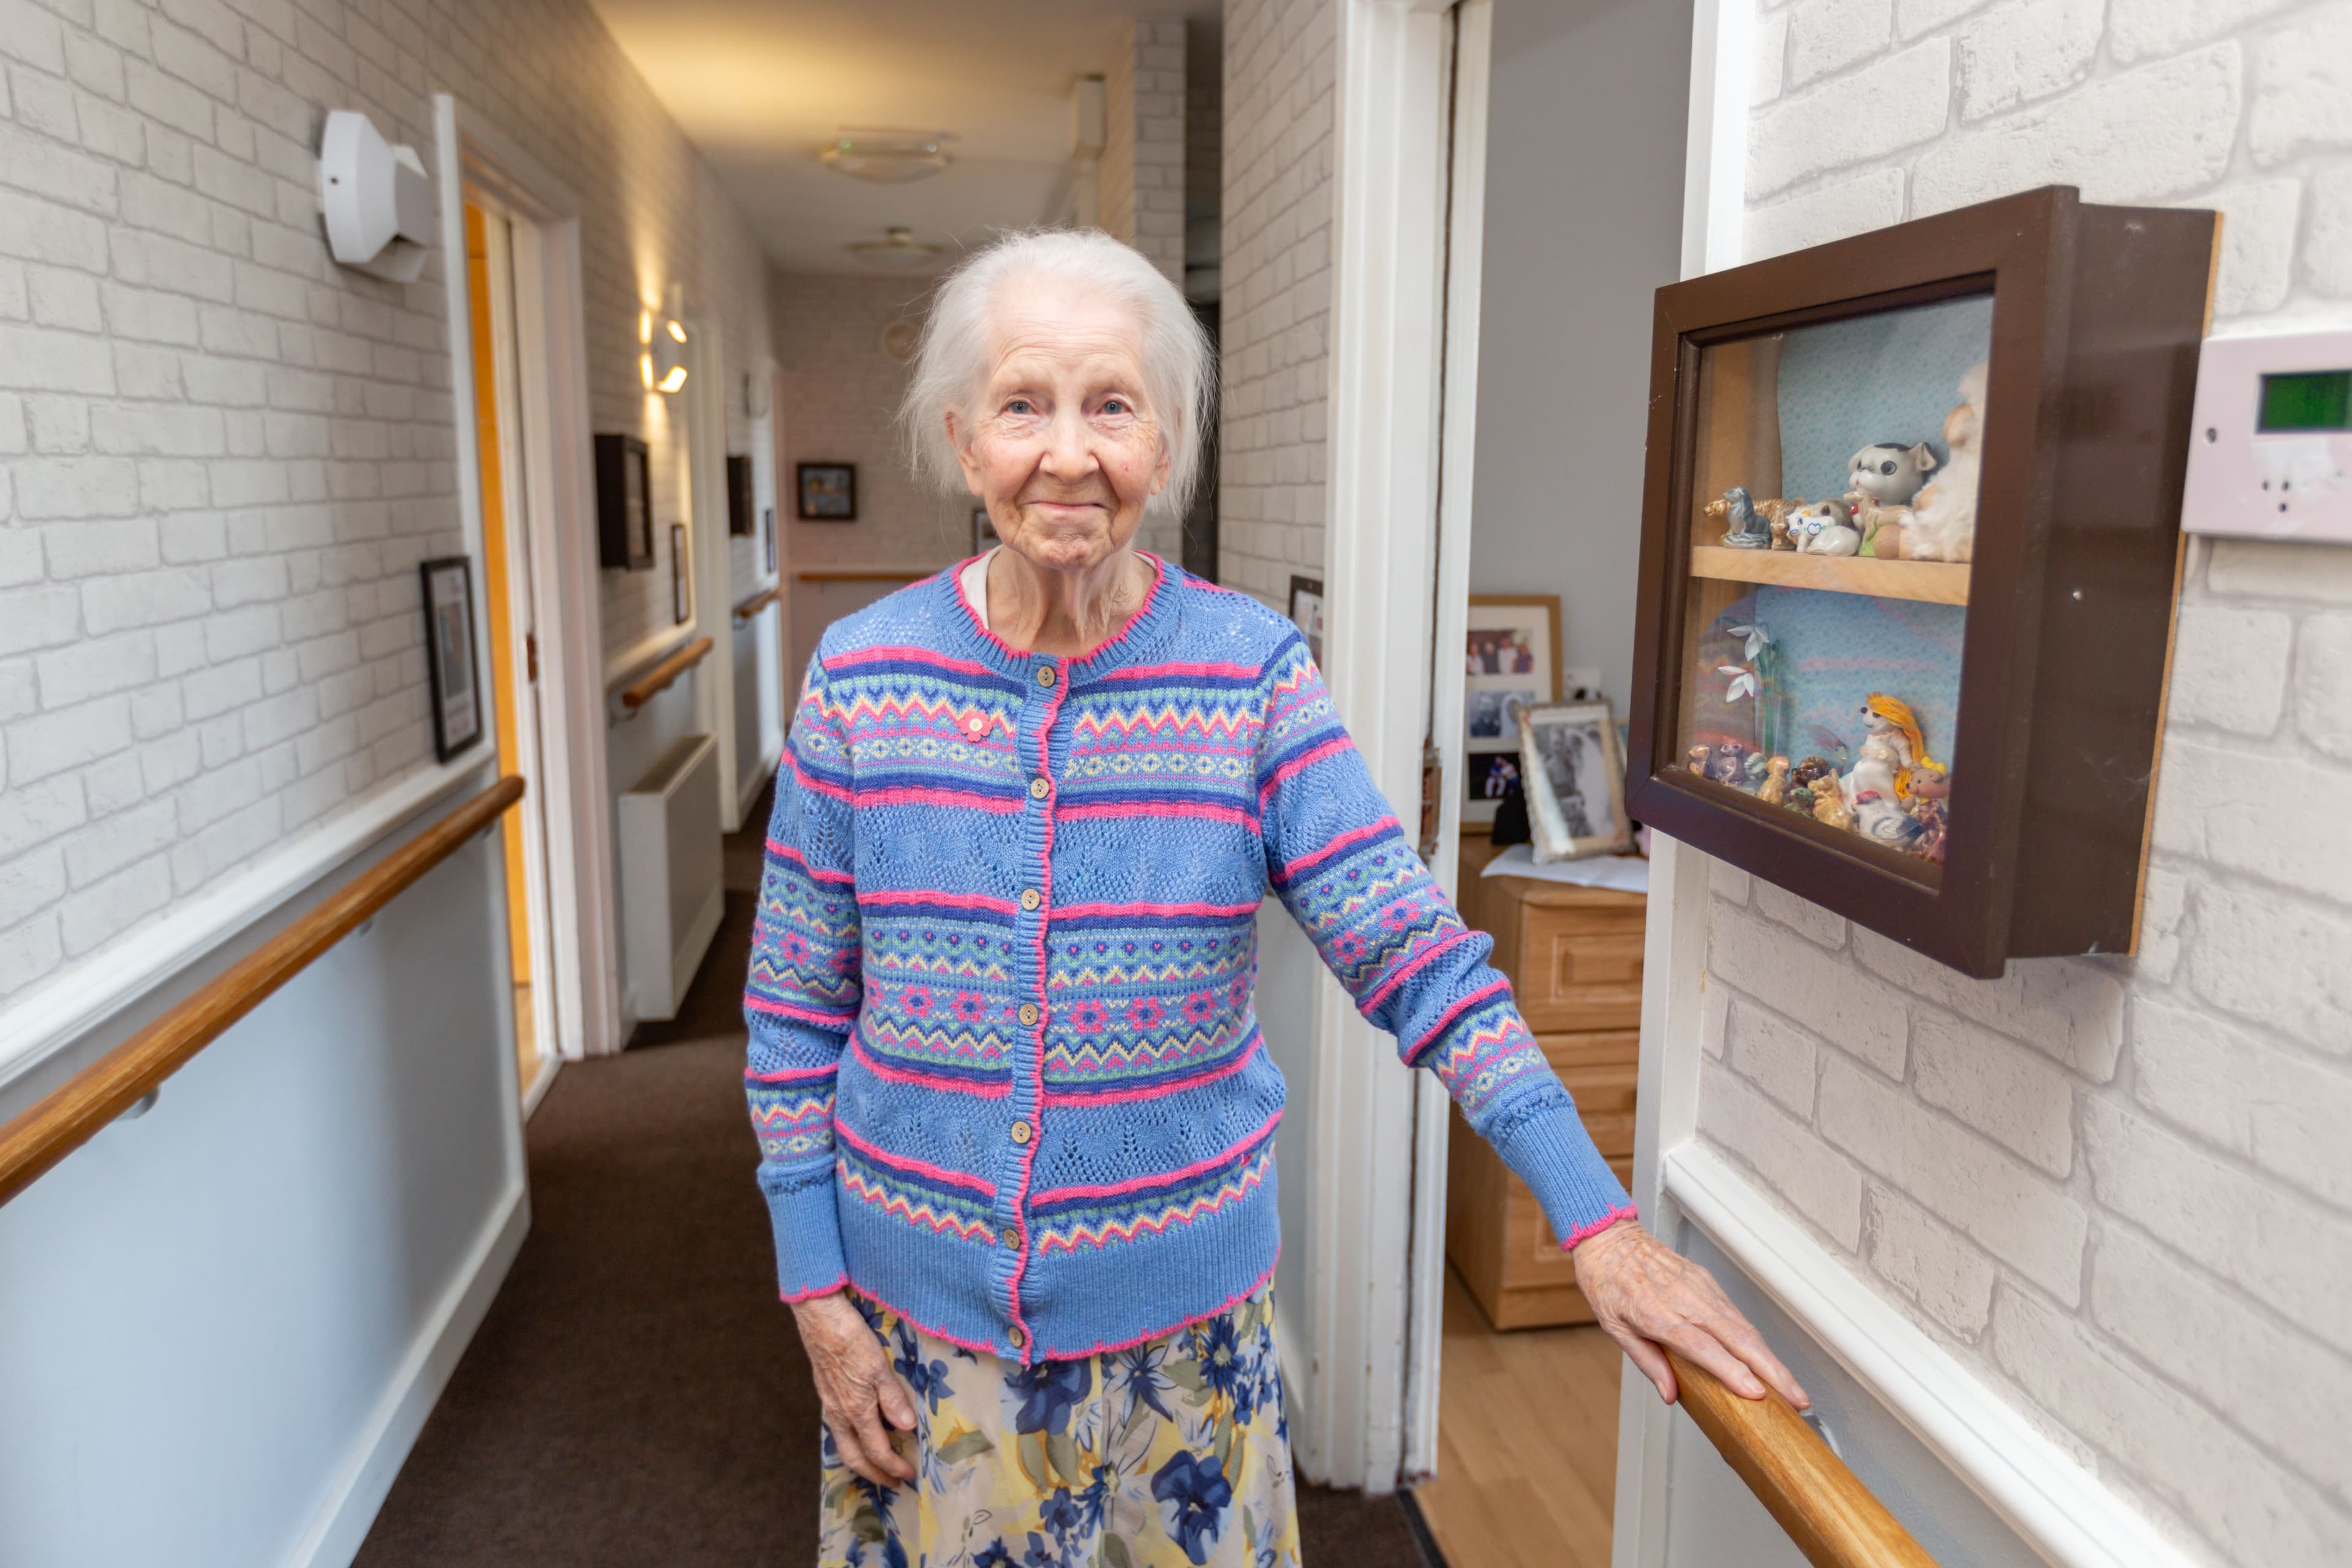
(637, 1396)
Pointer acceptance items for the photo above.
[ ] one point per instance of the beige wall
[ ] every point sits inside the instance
(2120, 1190)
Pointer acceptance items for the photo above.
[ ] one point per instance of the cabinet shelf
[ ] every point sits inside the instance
(1929, 582)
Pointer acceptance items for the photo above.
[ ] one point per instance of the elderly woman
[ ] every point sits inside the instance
(1017, 1119)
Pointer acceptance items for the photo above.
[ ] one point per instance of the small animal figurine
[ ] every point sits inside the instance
(1879, 818)
(1775, 787)
(1825, 528)
(1892, 747)
(1830, 807)
(1729, 763)
(1809, 770)
(1799, 799)
(1934, 821)
(1777, 512)
(1753, 770)
(1698, 755)
(1749, 530)
(1944, 514)
(1882, 524)
(1890, 472)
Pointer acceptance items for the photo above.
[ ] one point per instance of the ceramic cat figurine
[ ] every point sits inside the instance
(1775, 787)
(1944, 514)
(1828, 804)
(1825, 528)
(1889, 472)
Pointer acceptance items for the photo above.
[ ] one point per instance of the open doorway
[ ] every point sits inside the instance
(507, 596)
(1568, 129)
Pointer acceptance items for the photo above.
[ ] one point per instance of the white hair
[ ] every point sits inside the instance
(951, 361)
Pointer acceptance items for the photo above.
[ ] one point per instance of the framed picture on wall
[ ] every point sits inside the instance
(681, 580)
(1307, 613)
(983, 530)
(1510, 664)
(828, 491)
(455, 683)
(739, 494)
(768, 530)
(625, 504)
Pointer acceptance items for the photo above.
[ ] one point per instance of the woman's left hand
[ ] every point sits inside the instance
(1649, 1297)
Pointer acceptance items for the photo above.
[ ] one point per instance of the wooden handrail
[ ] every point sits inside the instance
(81, 1107)
(864, 573)
(642, 690)
(756, 603)
(1833, 1519)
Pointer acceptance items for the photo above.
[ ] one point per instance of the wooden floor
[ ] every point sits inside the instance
(1526, 1443)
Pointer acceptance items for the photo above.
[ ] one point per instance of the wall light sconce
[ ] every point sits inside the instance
(662, 360)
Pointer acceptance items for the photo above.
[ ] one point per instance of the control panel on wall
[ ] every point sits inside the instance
(2271, 456)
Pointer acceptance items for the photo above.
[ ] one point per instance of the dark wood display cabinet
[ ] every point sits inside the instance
(1910, 548)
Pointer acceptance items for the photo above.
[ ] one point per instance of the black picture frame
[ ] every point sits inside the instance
(624, 503)
(681, 580)
(828, 492)
(768, 528)
(454, 683)
(738, 495)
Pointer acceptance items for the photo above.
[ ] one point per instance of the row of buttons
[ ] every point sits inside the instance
(1039, 788)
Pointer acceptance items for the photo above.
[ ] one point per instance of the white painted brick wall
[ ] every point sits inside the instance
(1144, 151)
(1281, 73)
(2121, 1190)
(221, 456)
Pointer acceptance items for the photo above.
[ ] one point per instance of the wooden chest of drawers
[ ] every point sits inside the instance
(1574, 957)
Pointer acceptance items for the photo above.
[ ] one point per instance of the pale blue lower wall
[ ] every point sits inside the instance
(205, 1312)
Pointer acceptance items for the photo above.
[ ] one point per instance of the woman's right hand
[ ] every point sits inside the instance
(857, 1387)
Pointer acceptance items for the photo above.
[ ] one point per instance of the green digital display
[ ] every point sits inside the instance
(2306, 400)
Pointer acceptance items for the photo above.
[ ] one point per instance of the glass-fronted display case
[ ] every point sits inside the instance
(1910, 535)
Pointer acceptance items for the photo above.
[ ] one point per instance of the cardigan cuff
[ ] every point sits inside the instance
(1550, 1150)
(808, 1240)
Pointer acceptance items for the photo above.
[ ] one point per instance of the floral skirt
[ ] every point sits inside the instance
(1176, 1451)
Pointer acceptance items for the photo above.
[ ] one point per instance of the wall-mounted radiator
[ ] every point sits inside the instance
(671, 896)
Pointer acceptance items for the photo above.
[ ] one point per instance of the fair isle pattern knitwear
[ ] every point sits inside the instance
(1004, 1068)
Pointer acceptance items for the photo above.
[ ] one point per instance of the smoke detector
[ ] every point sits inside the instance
(897, 248)
(888, 157)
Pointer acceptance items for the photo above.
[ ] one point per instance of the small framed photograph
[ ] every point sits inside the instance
(983, 530)
(1572, 758)
(1307, 614)
(1487, 777)
(739, 494)
(681, 578)
(448, 582)
(625, 506)
(768, 542)
(1510, 663)
(828, 492)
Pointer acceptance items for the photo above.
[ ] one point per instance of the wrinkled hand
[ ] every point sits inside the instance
(1648, 1297)
(857, 1387)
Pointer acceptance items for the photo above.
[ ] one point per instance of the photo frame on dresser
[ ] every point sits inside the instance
(1510, 663)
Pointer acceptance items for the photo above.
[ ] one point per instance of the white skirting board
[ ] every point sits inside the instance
(2061, 1510)
(365, 1478)
(671, 885)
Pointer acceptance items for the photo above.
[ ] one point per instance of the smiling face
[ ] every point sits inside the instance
(1062, 441)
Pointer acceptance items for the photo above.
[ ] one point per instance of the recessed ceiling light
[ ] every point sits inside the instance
(888, 157)
(897, 248)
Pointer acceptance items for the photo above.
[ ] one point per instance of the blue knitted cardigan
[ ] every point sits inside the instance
(1005, 1071)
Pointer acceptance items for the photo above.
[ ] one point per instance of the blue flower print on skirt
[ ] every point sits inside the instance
(1175, 1452)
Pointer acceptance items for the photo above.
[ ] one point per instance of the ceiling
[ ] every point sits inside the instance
(759, 85)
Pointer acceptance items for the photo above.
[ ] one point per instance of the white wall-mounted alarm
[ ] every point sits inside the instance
(2270, 453)
(378, 200)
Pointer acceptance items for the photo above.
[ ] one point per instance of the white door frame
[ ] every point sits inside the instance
(712, 589)
(1387, 311)
(559, 489)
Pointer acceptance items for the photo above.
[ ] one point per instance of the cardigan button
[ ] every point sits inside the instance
(1029, 1012)
(1016, 1336)
(1044, 674)
(1031, 898)
(1038, 788)
(1022, 1133)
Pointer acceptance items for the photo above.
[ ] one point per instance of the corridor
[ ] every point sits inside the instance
(636, 1395)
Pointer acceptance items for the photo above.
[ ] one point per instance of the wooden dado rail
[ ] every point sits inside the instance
(84, 1104)
(864, 573)
(766, 596)
(640, 691)
(1833, 1519)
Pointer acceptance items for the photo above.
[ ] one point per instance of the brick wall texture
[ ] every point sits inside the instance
(1280, 116)
(221, 456)
(1144, 151)
(2120, 1190)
